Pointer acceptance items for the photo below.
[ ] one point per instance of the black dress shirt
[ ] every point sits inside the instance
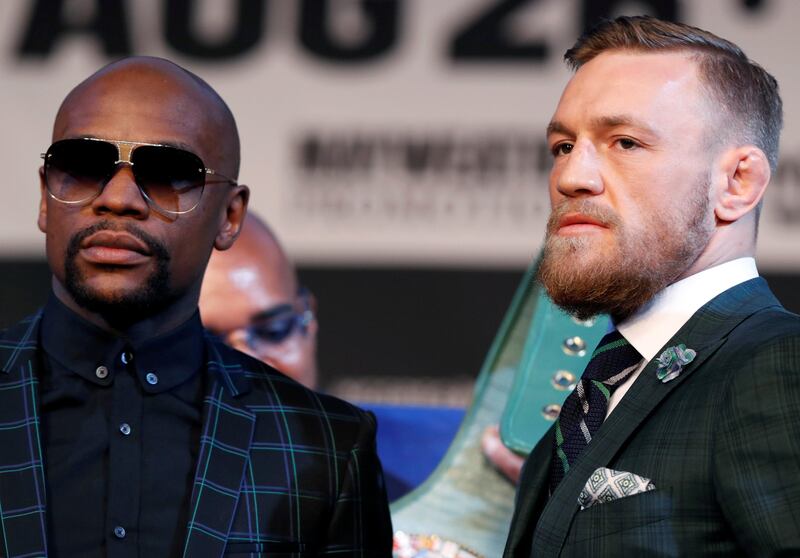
(121, 422)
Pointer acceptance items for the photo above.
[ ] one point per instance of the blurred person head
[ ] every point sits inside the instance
(251, 298)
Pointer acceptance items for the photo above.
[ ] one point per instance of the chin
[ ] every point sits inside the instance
(119, 301)
(576, 254)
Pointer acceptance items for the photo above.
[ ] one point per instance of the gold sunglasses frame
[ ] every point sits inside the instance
(124, 151)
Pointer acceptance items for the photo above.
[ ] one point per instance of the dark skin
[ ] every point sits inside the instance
(144, 100)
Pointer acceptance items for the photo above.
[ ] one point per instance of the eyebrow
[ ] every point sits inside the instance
(556, 127)
(272, 312)
(612, 121)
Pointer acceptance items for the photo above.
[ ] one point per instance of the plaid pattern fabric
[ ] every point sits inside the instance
(281, 471)
(719, 442)
(22, 494)
(584, 410)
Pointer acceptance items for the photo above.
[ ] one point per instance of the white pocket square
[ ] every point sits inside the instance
(607, 485)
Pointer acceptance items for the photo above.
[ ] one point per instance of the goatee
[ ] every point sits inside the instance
(630, 271)
(128, 307)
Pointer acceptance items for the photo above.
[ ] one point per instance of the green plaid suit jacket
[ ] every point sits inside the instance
(721, 443)
(281, 471)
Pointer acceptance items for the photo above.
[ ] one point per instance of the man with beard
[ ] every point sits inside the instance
(125, 429)
(681, 438)
(251, 299)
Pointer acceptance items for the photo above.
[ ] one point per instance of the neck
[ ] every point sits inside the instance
(134, 325)
(730, 241)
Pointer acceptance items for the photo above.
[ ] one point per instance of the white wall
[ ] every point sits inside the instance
(479, 200)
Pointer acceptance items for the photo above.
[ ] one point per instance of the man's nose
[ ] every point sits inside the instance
(580, 173)
(121, 195)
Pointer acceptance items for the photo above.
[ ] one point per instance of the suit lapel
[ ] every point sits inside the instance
(22, 483)
(705, 332)
(531, 496)
(228, 428)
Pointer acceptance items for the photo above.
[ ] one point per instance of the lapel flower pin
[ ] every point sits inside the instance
(672, 361)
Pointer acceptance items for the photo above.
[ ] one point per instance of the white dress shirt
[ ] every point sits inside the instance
(653, 325)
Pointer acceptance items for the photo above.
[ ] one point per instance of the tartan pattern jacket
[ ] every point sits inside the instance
(721, 443)
(281, 471)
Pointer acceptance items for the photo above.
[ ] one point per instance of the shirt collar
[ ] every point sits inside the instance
(160, 363)
(653, 325)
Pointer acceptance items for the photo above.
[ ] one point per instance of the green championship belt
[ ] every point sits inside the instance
(464, 508)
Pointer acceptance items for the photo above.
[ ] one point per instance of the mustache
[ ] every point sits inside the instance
(604, 215)
(156, 247)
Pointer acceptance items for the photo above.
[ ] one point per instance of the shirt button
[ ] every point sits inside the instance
(126, 357)
(125, 428)
(101, 372)
(151, 378)
(119, 532)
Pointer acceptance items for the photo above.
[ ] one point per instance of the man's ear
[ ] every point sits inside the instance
(42, 220)
(747, 174)
(235, 211)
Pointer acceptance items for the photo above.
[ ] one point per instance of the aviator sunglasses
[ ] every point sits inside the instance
(170, 179)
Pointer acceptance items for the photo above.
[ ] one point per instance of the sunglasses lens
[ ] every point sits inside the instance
(172, 178)
(76, 169)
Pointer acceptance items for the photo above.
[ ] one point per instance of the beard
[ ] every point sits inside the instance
(624, 277)
(152, 295)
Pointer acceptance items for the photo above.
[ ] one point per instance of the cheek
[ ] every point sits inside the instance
(287, 353)
(555, 174)
(640, 191)
(55, 255)
(56, 241)
(189, 252)
(646, 226)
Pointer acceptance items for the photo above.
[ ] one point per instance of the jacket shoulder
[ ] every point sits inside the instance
(271, 391)
(766, 327)
(762, 350)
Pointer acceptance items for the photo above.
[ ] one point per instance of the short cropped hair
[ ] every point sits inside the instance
(745, 92)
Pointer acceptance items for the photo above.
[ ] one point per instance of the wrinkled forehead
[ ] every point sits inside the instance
(266, 276)
(128, 93)
(657, 85)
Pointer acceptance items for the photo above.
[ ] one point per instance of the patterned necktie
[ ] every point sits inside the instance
(584, 410)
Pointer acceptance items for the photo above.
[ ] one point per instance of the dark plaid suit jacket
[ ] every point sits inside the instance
(721, 443)
(282, 471)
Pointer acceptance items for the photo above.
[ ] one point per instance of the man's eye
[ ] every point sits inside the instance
(562, 149)
(627, 143)
(275, 330)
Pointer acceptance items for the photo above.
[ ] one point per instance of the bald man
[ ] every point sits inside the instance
(251, 299)
(125, 428)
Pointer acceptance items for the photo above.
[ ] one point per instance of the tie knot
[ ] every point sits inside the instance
(610, 341)
(613, 356)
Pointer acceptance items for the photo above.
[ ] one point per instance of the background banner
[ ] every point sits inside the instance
(389, 132)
